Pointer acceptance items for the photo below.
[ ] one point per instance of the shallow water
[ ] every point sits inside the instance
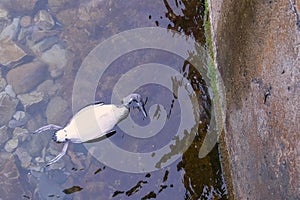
(80, 27)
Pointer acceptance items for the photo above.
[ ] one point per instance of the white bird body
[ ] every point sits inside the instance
(92, 122)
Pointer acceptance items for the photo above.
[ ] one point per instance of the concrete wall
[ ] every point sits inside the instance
(257, 48)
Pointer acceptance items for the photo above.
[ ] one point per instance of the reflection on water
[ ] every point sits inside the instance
(45, 43)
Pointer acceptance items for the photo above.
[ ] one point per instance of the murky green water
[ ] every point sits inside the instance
(80, 26)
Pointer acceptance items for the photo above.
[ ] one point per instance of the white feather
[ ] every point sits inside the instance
(93, 122)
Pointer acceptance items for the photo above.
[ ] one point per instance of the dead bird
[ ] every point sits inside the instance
(92, 122)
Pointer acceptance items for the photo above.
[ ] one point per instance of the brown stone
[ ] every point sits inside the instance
(25, 21)
(19, 5)
(56, 5)
(57, 111)
(4, 136)
(7, 108)
(9, 51)
(10, 179)
(257, 52)
(26, 77)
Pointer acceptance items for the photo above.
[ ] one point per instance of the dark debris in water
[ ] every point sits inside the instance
(136, 188)
(117, 193)
(26, 197)
(162, 187)
(72, 190)
(75, 169)
(166, 176)
(150, 195)
(97, 171)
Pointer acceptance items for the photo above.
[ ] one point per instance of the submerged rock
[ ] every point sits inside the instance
(36, 120)
(30, 100)
(44, 45)
(21, 134)
(15, 123)
(10, 32)
(3, 14)
(56, 66)
(23, 156)
(19, 115)
(44, 20)
(19, 5)
(35, 146)
(8, 107)
(56, 111)
(49, 88)
(20, 118)
(9, 90)
(10, 178)
(2, 84)
(10, 52)
(3, 135)
(11, 145)
(56, 5)
(26, 77)
(48, 185)
(25, 21)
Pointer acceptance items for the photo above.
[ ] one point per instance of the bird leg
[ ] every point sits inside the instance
(60, 155)
(50, 127)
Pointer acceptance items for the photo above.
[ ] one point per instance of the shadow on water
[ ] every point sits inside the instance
(79, 175)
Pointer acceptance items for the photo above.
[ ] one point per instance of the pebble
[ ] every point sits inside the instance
(15, 123)
(44, 20)
(10, 52)
(39, 159)
(68, 16)
(8, 107)
(56, 66)
(49, 88)
(20, 118)
(2, 84)
(56, 5)
(21, 134)
(19, 115)
(10, 32)
(24, 35)
(11, 186)
(3, 14)
(23, 156)
(26, 77)
(3, 135)
(25, 21)
(30, 100)
(45, 45)
(11, 145)
(9, 90)
(18, 6)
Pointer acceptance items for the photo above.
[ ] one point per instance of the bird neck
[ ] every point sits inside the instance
(121, 112)
(127, 100)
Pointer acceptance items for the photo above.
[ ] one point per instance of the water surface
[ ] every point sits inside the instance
(80, 26)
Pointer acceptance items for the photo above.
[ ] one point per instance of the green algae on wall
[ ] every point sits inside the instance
(217, 91)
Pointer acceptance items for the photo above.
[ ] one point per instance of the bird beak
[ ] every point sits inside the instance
(142, 108)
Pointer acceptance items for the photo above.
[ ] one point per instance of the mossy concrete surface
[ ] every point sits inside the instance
(257, 50)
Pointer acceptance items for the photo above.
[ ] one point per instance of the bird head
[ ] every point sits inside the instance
(137, 99)
(60, 136)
